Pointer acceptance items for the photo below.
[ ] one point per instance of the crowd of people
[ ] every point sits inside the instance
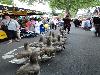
(85, 23)
(14, 25)
(90, 24)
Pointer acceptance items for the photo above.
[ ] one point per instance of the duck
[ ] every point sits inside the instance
(63, 33)
(59, 44)
(24, 53)
(54, 39)
(22, 57)
(40, 43)
(49, 50)
(30, 68)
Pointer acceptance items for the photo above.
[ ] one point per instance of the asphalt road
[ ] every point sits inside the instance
(81, 57)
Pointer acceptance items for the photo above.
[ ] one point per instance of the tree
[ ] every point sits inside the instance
(73, 5)
(31, 2)
(9, 2)
(68, 5)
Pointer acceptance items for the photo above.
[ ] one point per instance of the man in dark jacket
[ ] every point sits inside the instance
(67, 24)
(96, 21)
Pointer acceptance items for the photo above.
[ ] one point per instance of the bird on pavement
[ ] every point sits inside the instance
(31, 68)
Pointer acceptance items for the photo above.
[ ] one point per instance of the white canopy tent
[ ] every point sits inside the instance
(37, 6)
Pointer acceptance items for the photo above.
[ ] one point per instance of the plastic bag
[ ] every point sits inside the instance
(46, 26)
(4, 27)
(93, 29)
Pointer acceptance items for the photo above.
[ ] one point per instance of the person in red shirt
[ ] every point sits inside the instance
(28, 25)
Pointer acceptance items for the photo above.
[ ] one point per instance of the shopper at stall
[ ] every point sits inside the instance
(12, 27)
(76, 22)
(52, 24)
(28, 25)
(88, 22)
(33, 21)
(18, 31)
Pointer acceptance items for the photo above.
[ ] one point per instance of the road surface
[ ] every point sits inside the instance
(81, 56)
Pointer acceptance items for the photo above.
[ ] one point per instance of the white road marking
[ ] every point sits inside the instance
(21, 47)
(18, 61)
(7, 56)
(10, 52)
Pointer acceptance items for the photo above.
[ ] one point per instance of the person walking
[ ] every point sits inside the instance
(67, 24)
(96, 21)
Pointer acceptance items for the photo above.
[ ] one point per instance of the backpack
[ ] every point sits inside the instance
(5, 27)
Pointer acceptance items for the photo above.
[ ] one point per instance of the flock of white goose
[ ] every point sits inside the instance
(45, 49)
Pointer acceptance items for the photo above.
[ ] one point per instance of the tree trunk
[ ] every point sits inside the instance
(68, 6)
(67, 12)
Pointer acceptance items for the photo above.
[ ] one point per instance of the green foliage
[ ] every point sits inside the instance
(73, 5)
(68, 5)
(31, 2)
(8, 2)
(28, 1)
